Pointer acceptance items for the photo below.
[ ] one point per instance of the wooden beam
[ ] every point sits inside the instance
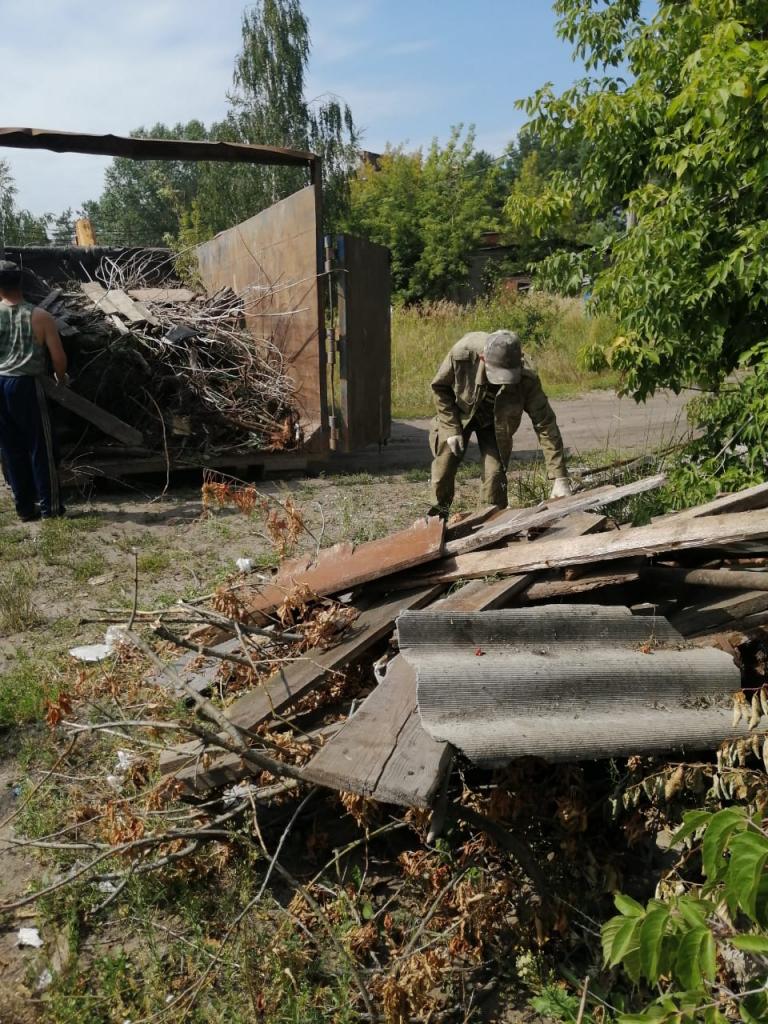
(105, 421)
(724, 579)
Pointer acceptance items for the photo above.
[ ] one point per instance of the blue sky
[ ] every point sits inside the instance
(409, 70)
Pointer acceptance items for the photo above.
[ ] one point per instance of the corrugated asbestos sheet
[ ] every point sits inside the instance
(565, 682)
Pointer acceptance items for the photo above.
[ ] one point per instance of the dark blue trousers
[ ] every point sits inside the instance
(27, 446)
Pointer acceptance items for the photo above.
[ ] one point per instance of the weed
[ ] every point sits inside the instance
(352, 479)
(24, 689)
(416, 474)
(17, 609)
(88, 565)
(154, 561)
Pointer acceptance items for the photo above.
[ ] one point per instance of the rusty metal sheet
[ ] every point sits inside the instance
(565, 682)
(271, 261)
(153, 149)
(344, 566)
(365, 342)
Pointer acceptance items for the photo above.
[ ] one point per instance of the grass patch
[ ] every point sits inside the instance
(154, 561)
(352, 479)
(555, 333)
(24, 688)
(86, 566)
(17, 609)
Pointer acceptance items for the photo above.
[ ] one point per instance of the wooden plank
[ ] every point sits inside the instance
(84, 234)
(134, 312)
(50, 298)
(91, 412)
(345, 565)
(715, 614)
(291, 682)
(382, 751)
(739, 501)
(549, 513)
(98, 296)
(162, 294)
(658, 538)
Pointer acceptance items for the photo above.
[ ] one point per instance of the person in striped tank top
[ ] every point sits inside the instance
(28, 340)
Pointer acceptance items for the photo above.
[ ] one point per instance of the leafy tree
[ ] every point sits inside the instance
(679, 147)
(143, 200)
(18, 227)
(429, 210)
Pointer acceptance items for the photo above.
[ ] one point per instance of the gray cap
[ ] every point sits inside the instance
(8, 266)
(503, 358)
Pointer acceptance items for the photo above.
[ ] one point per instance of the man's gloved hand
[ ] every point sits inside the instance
(456, 444)
(561, 488)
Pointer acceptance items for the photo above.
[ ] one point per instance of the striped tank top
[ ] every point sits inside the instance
(21, 354)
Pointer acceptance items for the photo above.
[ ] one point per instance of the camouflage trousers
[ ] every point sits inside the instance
(445, 464)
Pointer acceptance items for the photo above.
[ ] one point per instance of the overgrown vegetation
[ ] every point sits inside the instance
(675, 147)
(556, 333)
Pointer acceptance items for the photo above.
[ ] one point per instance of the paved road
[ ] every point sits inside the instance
(598, 421)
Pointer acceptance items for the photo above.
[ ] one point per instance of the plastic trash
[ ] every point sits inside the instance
(29, 937)
(244, 564)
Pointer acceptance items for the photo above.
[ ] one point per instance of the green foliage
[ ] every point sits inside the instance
(678, 147)
(24, 688)
(181, 202)
(704, 949)
(18, 226)
(429, 210)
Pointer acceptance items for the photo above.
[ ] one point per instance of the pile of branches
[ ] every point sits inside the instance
(192, 378)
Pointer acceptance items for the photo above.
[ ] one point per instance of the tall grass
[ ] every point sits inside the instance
(555, 333)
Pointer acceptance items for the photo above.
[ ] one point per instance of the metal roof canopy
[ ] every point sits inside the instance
(565, 682)
(157, 149)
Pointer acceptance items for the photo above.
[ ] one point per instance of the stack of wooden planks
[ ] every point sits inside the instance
(705, 569)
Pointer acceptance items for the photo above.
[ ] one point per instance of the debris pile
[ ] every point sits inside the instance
(626, 641)
(165, 371)
(322, 726)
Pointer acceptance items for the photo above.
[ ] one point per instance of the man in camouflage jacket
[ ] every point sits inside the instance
(484, 386)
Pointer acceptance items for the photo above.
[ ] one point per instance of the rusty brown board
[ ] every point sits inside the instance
(285, 686)
(382, 751)
(346, 565)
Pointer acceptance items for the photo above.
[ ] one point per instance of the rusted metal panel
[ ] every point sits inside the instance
(565, 682)
(365, 342)
(271, 260)
(344, 566)
(153, 149)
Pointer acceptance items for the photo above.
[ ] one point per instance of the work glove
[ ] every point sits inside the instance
(561, 488)
(456, 444)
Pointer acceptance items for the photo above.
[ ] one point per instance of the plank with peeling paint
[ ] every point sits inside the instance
(348, 565)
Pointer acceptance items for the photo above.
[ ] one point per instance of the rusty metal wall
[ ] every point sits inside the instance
(272, 259)
(365, 347)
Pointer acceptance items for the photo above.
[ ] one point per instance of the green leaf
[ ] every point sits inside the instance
(367, 911)
(627, 906)
(715, 838)
(625, 940)
(692, 821)
(608, 934)
(695, 911)
(741, 88)
(651, 939)
(751, 943)
(689, 969)
(754, 1009)
(749, 853)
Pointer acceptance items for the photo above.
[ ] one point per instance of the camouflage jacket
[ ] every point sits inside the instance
(459, 385)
